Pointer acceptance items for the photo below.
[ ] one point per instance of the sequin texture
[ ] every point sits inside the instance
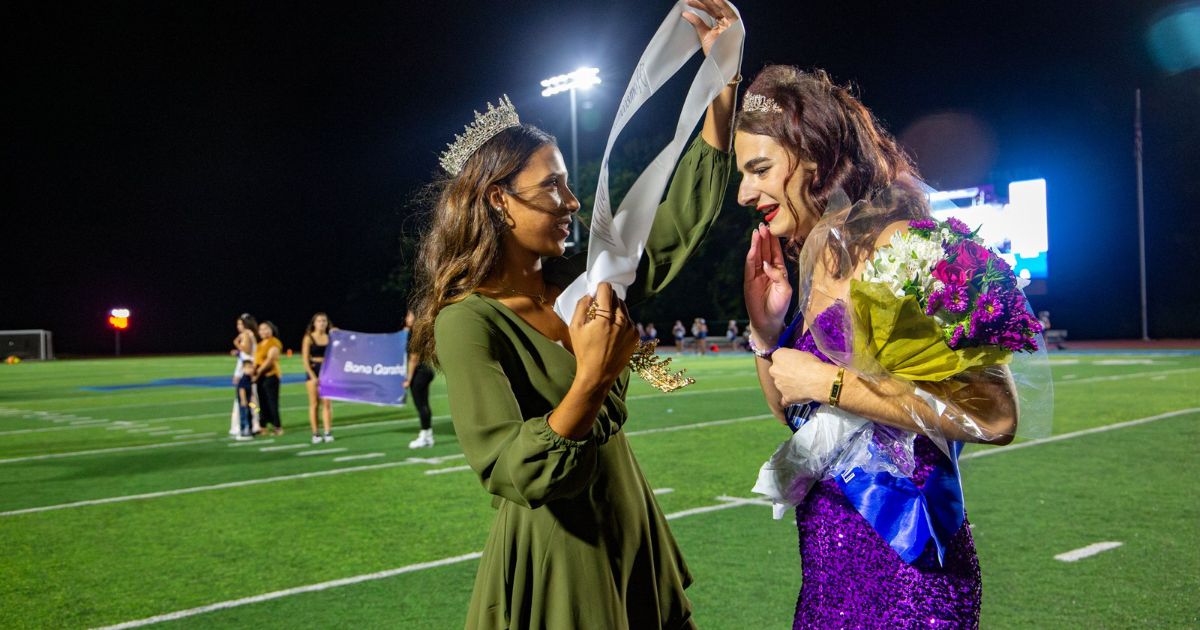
(853, 579)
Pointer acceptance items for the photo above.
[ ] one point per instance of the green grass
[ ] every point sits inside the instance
(119, 560)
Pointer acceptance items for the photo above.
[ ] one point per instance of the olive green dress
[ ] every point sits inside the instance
(579, 540)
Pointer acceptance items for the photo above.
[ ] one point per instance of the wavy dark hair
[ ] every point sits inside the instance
(824, 123)
(312, 323)
(461, 245)
(249, 323)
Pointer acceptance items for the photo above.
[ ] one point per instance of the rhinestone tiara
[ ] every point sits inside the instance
(760, 103)
(485, 126)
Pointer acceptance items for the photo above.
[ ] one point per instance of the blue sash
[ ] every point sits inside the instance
(907, 516)
(904, 515)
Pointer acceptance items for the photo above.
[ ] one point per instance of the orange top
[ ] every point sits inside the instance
(260, 355)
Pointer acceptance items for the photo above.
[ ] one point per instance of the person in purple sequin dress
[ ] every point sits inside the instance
(801, 142)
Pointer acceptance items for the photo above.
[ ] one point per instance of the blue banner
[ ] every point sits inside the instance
(365, 367)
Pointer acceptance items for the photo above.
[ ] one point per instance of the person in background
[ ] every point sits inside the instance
(700, 334)
(267, 374)
(244, 395)
(243, 348)
(641, 331)
(731, 333)
(678, 332)
(420, 375)
(316, 340)
(651, 332)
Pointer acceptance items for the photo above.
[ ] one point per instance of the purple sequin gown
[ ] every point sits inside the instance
(853, 579)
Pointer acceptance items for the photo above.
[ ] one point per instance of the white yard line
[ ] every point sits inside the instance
(1075, 434)
(438, 460)
(442, 471)
(696, 392)
(664, 490)
(697, 425)
(725, 503)
(255, 442)
(285, 447)
(311, 588)
(324, 451)
(1121, 377)
(350, 458)
(1084, 552)
(218, 486)
(117, 449)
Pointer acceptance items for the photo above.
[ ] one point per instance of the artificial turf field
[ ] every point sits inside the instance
(128, 505)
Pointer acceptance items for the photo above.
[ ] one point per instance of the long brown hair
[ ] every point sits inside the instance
(462, 243)
(824, 123)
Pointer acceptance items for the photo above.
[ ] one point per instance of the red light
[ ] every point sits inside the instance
(120, 323)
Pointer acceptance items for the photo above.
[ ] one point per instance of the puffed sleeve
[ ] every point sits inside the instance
(681, 222)
(520, 459)
(684, 217)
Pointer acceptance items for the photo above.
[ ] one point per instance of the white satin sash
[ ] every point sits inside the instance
(617, 240)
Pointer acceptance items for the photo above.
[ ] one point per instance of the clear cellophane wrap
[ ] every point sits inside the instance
(894, 348)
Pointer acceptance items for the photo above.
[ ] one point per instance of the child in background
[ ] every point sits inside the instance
(244, 385)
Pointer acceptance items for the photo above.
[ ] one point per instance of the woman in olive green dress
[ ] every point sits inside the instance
(538, 404)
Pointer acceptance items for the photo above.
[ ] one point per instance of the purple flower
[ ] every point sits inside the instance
(957, 298)
(988, 308)
(956, 337)
(923, 224)
(958, 227)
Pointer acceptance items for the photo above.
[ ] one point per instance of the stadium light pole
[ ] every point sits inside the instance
(118, 318)
(581, 79)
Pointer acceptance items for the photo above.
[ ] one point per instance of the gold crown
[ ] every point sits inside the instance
(760, 103)
(655, 370)
(483, 128)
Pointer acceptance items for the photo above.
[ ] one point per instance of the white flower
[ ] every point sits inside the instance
(907, 257)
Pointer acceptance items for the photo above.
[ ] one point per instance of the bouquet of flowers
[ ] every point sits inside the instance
(935, 302)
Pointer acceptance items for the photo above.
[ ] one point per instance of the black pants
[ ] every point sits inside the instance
(419, 387)
(268, 400)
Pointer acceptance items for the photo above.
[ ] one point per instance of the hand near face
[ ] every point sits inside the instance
(800, 377)
(766, 287)
(604, 343)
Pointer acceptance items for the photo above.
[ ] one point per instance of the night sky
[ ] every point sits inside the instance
(192, 161)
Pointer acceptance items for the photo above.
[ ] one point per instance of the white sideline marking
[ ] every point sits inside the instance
(350, 458)
(101, 450)
(184, 436)
(1084, 552)
(1075, 434)
(698, 425)
(311, 588)
(664, 490)
(285, 447)
(726, 503)
(324, 451)
(1121, 377)
(678, 427)
(252, 442)
(439, 471)
(438, 460)
(697, 392)
(218, 486)
(434, 460)
(1158, 378)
